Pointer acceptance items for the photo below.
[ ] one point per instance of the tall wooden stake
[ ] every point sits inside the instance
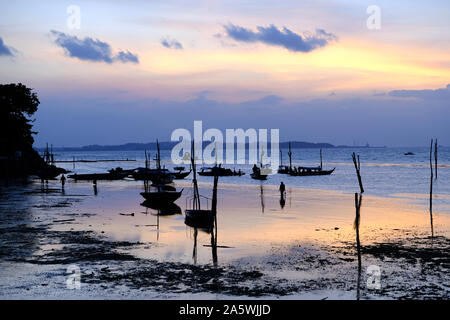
(358, 200)
(435, 157)
(357, 164)
(431, 189)
(290, 157)
(320, 158)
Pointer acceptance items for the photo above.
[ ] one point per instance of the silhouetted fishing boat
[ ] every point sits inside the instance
(258, 176)
(310, 171)
(180, 174)
(219, 171)
(161, 196)
(196, 216)
(283, 169)
(157, 176)
(260, 173)
(99, 176)
(409, 153)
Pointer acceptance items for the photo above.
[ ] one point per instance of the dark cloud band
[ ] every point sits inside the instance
(284, 37)
(90, 49)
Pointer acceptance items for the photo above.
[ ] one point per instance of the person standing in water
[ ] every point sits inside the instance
(63, 181)
(282, 188)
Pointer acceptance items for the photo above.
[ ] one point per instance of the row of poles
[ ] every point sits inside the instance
(358, 201)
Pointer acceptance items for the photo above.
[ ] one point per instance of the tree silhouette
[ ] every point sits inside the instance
(17, 104)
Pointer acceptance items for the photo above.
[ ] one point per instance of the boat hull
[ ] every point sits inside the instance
(257, 176)
(312, 173)
(97, 176)
(180, 175)
(161, 197)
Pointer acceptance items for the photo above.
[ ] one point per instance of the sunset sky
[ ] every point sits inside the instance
(136, 70)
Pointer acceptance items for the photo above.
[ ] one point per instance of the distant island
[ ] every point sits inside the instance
(167, 145)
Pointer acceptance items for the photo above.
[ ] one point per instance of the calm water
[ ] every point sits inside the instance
(386, 172)
(251, 219)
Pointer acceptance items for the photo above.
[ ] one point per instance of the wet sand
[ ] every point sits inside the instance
(304, 250)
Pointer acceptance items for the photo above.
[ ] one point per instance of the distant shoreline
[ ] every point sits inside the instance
(169, 145)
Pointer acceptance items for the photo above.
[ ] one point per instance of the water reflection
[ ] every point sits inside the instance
(262, 197)
(282, 200)
(208, 228)
(164, 210)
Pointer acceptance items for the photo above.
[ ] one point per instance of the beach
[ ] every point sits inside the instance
(303, 248)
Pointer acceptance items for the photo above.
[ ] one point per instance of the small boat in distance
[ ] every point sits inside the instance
(283, 169)
(221, 172)
(113, 174)
(157, 176)
(260, 173)
(409, 153)
(311, 171)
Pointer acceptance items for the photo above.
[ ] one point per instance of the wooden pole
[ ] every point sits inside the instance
(435, 157)
(290, 157)
(320, 158)
(357, 164)
(358, 200)
(214, 211)
(431, 189)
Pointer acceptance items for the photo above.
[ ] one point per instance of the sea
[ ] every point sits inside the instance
(386, 172)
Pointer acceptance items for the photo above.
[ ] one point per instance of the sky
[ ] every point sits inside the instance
(320, 71)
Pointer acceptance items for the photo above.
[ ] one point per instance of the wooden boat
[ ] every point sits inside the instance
(310, 171)
(219, 171)
(161, 197)
(99, 176)
(258, 176)
(283, 169)
(157, 176)
(260, 173)
(181, 175)
(196, 216)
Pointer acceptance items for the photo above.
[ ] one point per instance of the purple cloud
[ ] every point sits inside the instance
(284, 37)
(90, 49)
